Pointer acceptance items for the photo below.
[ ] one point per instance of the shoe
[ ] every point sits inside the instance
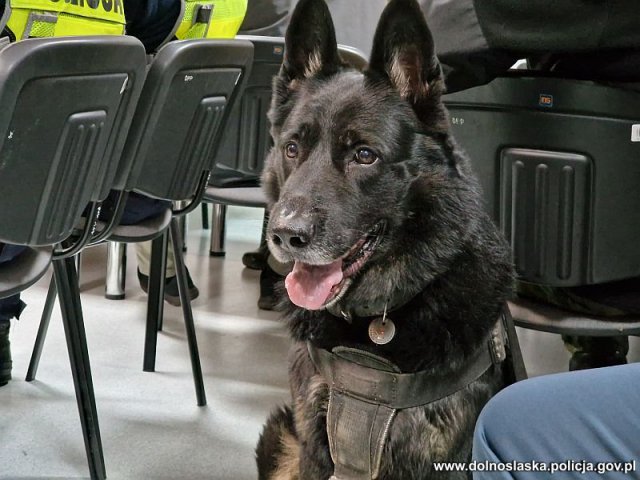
(584, 360)
(5, 354)
(257, 259)
(269, 295)
(596, 352)
(171, 294)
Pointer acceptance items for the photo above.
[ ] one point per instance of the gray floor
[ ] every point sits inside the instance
(151, 427)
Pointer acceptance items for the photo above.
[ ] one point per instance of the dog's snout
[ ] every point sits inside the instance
(292, 227)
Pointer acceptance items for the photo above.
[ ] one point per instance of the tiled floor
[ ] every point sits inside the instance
(150, 424)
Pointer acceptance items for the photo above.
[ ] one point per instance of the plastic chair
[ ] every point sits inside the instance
(191, 87)
(246, 142)
(173, 136)
(558, 162)
(62, 128)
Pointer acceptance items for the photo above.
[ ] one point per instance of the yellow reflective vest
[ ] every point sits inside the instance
(211, 18)
(57, 18)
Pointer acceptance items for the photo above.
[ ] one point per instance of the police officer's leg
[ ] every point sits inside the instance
(10, 307)
(589, 415)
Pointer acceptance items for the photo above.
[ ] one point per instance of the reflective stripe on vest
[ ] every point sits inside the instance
(211, 18)
(58, 18)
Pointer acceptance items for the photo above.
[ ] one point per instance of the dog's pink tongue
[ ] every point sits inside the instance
(309, 286)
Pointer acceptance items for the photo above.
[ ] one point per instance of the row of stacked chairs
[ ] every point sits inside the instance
(80, 128)
(83, 116)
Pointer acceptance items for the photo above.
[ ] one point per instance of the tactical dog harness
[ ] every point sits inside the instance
(366, 391)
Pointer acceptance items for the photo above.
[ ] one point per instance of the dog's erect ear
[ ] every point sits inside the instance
(310, 42)
(403, 51)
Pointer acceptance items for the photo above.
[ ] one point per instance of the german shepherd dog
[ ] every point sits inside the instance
(376, 207)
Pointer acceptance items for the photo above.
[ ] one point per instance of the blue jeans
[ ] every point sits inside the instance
(583, 416)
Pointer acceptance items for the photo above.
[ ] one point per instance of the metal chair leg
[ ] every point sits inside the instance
(42, 330)
(67, 284)
(218, 214)
(155, 301)
(185, 300)
(116, 270)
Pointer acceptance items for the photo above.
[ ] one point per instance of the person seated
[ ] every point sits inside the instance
(152, 22)
(585, 424)
(479, 41)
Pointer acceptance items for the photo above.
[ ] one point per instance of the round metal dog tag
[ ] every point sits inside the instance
(381, 331)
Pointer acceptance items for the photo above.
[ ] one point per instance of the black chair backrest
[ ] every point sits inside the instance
(246, 139)
(66, 108)
(175, 132)
(559, 162)
(246, 134)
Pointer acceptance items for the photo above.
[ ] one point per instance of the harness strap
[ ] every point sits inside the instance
(349, 420)
(396, 390)
(366, 391)
(519, 371)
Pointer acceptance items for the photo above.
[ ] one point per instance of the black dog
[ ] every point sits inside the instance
(396, 266)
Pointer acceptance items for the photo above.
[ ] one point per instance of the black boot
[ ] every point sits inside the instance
(5, 354)
(257, 259)
(171, 294)
(596, 352)
(269, 295)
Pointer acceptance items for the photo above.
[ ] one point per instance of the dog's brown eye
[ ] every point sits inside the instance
(291, 150)
(365, 156)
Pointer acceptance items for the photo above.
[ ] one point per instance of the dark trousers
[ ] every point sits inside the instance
(477, 40)
(11, 306)
(138, 208)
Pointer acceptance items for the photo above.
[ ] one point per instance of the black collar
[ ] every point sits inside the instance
(344, 309)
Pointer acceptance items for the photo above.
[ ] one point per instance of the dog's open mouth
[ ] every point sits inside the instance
(316, 286)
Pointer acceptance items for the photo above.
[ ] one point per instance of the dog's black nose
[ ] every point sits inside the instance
(292, 237)
(292, 225)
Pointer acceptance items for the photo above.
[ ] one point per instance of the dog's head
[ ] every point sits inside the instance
(363, 180)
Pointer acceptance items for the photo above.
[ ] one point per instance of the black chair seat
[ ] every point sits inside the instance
(24, 271)
(141, 232)
(548, 318)
(242, 196)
